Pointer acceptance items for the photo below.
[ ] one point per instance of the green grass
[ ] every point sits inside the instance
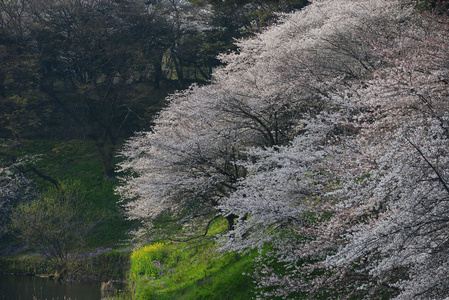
(181, 271)
(191, 270)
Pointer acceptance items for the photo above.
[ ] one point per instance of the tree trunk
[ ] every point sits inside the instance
(105, 153)
(179, 71)
(231, 218)
(157, 74)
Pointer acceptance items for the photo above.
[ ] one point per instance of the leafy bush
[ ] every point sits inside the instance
(57, 222)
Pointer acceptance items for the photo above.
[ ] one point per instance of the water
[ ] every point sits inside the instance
(34, 288)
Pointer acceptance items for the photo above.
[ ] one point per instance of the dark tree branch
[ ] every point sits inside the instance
(440, 178)
(45, 177)
(23, 170)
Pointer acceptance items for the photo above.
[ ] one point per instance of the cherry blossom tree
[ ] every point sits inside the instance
(186, 163)
(324, 137)
(386, 235)
(403, 117)
(403, 244)
(192, 152)
(261, 98)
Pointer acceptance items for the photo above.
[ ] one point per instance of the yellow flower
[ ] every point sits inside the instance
(142, 260)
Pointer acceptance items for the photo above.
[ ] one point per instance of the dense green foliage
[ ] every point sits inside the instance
(76, 160)
(58, 223)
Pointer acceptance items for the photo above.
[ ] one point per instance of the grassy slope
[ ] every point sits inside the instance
(194, 272)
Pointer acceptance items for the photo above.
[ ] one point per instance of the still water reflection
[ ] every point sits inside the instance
(34, 288)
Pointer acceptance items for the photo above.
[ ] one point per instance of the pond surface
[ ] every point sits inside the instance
(34, 288)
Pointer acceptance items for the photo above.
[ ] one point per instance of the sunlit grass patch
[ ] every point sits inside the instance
(191, 270)
(191, 273)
